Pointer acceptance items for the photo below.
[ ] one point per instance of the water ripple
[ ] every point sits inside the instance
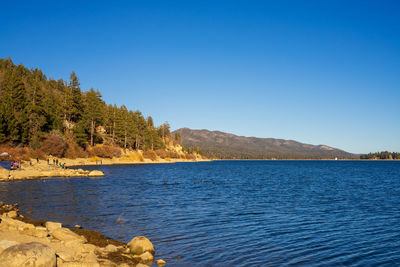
(240, 213)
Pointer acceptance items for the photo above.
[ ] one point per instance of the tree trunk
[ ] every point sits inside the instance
(125, 138)
(91, 132)
(113, 132)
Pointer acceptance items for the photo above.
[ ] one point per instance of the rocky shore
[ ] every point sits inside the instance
(42, 169)
(26, 242)
(33, 169)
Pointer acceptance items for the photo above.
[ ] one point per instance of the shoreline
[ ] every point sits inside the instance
(305, 160)
(22, 237)
(38, 170)
(43, 170)
(121, 161)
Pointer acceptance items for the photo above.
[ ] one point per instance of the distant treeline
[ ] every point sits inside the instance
(381, 155)
(245, 155)
(37, 111)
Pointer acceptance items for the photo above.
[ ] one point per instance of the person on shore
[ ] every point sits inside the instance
(48, 162)
(37, 160)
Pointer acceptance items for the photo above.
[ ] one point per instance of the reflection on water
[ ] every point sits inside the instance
(239, 213)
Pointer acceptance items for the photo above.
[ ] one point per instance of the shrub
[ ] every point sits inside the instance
(74, 151)
(173, 155)
(190, 156)
(136, 156)
(150, 154)
(161, 153)
(53, 145)
(104, 151)
(37, 153)
(21, 153)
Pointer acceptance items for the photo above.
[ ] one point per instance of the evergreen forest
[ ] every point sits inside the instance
(381, 155)
(59, 118)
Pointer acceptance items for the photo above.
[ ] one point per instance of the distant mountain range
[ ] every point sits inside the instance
(216, 144)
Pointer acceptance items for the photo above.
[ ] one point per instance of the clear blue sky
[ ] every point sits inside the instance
(320, 72)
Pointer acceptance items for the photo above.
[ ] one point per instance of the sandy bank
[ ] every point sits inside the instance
(42, 243)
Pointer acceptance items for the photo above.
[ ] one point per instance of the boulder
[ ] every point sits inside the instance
(75, 243)
(59, 262)
(89, 248)
(160, 262)
(40, 231)
(65, 234)
(15, 225)
(146, 257)
(96, 173)
(90, 257)
(66, 256)
(111, 248)
(6, 244)
(29, 254)
(51, 226)
(140, 245)
(12, 214)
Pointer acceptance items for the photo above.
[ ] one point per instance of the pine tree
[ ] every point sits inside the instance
(150, 132)
(141, 126)
(74, 99)
(81, 133)
(121, 126)
(19, 132)
(7, 120)
(93, 111)
(36, 111)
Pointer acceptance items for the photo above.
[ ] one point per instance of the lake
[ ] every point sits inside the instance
(234, 213)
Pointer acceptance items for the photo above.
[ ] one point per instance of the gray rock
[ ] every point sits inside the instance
(29, 254)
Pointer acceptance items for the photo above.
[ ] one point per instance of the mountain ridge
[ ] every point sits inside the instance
(218, 144)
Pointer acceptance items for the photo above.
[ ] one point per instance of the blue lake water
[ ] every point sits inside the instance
(234, 213)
